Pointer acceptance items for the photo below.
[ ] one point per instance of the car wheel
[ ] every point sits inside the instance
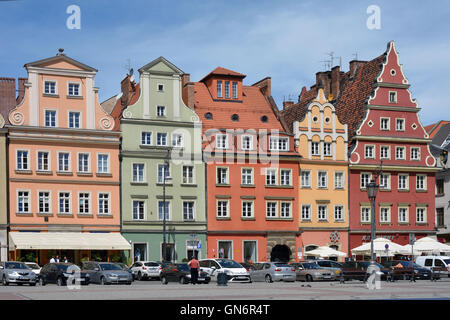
(41, 282)
(4, 281)
(102, 281)
(59, 282)
(164, 280)
(268, 278)
(183, 280)
(309, 278)
(139, 276)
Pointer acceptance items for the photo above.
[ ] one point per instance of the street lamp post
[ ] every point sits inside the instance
(372, 189)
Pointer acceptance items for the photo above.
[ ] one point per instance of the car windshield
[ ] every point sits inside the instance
(310, 266)
(33, 266)
(183, 267)
(280, 265)
(64, 267)
(228, 263)
(15, 265)
(109, 266)
(151, 264)
(447, 261)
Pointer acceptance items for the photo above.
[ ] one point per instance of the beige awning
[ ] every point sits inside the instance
(68, 241)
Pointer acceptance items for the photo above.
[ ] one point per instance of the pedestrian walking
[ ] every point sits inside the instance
(194, 265)
(52, 260)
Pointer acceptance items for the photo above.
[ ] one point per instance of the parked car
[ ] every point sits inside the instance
(16, 272)
(234, 271)
(407, 270)
(126, 268)
(106, 273)
(34, 267)
(60, 273)
(357, 270)
(248, 266)
(142, 270)
(273, 271)
(331, 265)
(439, 264)
(181, 272)
(308, 271)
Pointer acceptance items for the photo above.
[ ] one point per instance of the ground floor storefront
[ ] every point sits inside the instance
(74, 247)
(180, 246)
(337, 239)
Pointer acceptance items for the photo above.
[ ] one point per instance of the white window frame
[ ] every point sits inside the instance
(79, 89)
(193, 210)
(319, 216)
(315, 151)
(219, 89)
(227, 89)
(342, 213)
(388, 186)
(89, 206)
(247, 212)
(168, 211)
(388, 152)
(221, 141)
(289, 213)
(22, 168)
(159, 136)
(144, 207)
(289, 177)
(234, 89)
(395, 96)
(275, 214)
(411, 151)
(107, 162)
(177, 143)
(304, 217)
(327, 149)
(362, 186)
(185, 179)
(27, 198)
(406, 183)
(243, 146)
(371, 153)
(403, 153)
(227, 208)
(388, 124)
(48, 201)
(72, 112)
(144, 179)
(69, 161)
(278, 144)
(48, 161)
(342, 184)
(383, 210)
(319, 181)
(88, 162)
(247, 178)
(69, 202)
(402, 121)
(56, 87)
(305, 176)
(108, 201)
(227, 176)
(45, 118)
(160, 178)
(406, 220)
(424, 208)
(424, 182)
(369, 215)
(272, 176)
(161, 108)
(146, 136)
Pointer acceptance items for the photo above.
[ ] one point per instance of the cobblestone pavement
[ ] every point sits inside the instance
(154, 290)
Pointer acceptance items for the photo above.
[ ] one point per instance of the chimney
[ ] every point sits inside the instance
(354, 64)
(187, 90)
(21, 91)
(335, 81)
(265, 86)
(302, 93)
(287, 104)
(127, 87)
(7, 95)
(323, 80)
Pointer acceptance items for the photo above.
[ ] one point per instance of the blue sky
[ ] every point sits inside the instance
(286, 40)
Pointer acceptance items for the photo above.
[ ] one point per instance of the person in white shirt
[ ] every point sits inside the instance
(52, 260)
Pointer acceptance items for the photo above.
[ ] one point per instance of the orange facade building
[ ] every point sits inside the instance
(252, 169)
(63, 167)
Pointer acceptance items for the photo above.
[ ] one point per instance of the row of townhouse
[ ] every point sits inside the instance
(169, 168)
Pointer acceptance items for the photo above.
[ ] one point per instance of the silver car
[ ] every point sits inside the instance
(272, 271)
(16, 272)
(308, 271)
(331, 265)
(106, 273)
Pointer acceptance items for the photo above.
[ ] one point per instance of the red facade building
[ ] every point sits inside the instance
(252, 169)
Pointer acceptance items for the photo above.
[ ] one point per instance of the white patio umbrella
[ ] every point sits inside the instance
(325, 252)
(427, 244)
(379, 247)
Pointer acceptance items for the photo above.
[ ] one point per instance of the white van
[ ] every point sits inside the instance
(234, 271)
(434, 261)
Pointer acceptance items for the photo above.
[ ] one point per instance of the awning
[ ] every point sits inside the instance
(68, 241)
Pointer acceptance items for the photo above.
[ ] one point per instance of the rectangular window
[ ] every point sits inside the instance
(235, 95)
(221, 141)
(305, 179)
(161, 139)
(74, 89)
(44, 202)
(400, 124)
(103, 203)
(385, 124)
(400, 153)
(222, 209)
(188, 210)
(365, 214)
(138, 172)
(385, 181)
(385, 152)
(327, 149)
(415, 153)
(102, 163)
(285, 177)
(440, 187)
(222, 175)
(315, 148)
(403, 214)
(23, 201)
(83, 162)
(385, 214)
(43, 161)
(163, 173)
(278, 144)
(392, 97)
(285, 210)
(83, 203)
(219, 89)
(49, 87)
(365, 179)
(22, 160)
(50, 118)
(74, 120)
(161, 111)
(247, 176)
(421, 182)
(440, 217)
(138, 210)
(403, 182)
(369, 152)
(64, 202)
(322, 179)
(421, 215)
(247, 209)
(339, 180)
(306, 212)
(338, 213)
(227, 89)
(271, 177)
(271, 209)
(188, 174)
(177, 140)
(63, 162)
(163, 207)
(160, 87)
(322, 213)
(146, 138)
(247, 143)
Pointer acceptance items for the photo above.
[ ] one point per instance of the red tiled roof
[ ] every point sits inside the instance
(432, 129)
(223, 72)
(297, 111)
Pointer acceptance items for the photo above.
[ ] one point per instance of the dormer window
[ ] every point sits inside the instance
(234, 89)
(219, 89)
(227, 89)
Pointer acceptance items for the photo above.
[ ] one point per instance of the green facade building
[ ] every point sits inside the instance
(162, 146)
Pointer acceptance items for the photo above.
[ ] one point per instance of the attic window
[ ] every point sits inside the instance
(264, 119)
(327, 120)
(393, 72)
(235, 117)
(208, 116)
(160, 87)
